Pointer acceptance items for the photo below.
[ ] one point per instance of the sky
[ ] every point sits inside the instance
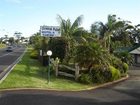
(26, 16)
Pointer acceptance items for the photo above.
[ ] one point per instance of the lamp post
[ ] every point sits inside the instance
(49, 53)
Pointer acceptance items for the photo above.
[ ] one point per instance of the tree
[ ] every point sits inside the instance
(105, 31)
(36, 41)
(11, 40)
(124, 35)
(22, 38)
(70, 31)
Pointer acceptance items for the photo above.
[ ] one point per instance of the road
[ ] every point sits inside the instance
(124, 93)
(7, 58)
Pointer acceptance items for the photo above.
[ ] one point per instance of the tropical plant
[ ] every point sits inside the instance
(124, 35)
(89, 54)
(70, 31)
(105, 31)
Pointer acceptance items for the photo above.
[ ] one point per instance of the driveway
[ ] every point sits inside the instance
(124, 93)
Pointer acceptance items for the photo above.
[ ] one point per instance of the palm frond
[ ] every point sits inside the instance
(77, 22)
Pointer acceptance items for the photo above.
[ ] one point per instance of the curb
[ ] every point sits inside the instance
(87, 89)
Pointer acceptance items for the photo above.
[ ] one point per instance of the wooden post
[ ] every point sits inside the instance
(76, 71)
(56, 70)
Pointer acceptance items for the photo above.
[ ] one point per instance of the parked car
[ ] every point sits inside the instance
(9, 49)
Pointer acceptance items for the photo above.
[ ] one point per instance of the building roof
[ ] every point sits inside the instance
(132, 50)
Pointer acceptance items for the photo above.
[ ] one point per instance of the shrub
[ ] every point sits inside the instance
(115, 73)
(59, 47)
(117, 63)
(125, 67)
(89, 54)
(85, 78)
(100, 74)
(34, 54)
(124, 56)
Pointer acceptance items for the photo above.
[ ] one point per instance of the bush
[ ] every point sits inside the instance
(34, 54)
(125, 68)
(89, 54)
(115, 73)
(85, 78)
(59, 47)
(124, 56)
(100, 74)
(118, 64)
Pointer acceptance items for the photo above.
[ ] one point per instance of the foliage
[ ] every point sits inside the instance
(118, 64)
(59, 47)
(124, 56)
(2, 45)
(115, 73)
(125, 67)
(90, 54)
(34, 54)
(85, 78)
(36, 40)
(36, 77)
(70, 31)
(100, 74)
(105, 31)
(44, 43)
(11, 40)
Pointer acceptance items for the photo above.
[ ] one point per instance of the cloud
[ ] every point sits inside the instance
(14, 1)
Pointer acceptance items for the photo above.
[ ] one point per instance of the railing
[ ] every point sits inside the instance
(75, 70)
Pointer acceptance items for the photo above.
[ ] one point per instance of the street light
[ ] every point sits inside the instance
(49, 53)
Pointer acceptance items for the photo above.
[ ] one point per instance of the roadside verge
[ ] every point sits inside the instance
(40, 89)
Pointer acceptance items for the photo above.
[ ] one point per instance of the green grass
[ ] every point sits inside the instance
(29, 73)
(2, 45)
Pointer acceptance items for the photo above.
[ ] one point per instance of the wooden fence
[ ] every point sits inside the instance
(75, 70)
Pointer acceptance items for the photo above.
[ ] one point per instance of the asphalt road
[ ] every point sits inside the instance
(124, 93)
(7, 58)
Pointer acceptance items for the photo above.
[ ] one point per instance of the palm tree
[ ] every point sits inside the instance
(124, 34)
(105, 31)
(136, 34)
(70, 31)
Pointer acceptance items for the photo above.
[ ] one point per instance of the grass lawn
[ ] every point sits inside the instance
(2, 45)
(29, 73)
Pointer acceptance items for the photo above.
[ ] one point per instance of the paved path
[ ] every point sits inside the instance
(124, 93)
